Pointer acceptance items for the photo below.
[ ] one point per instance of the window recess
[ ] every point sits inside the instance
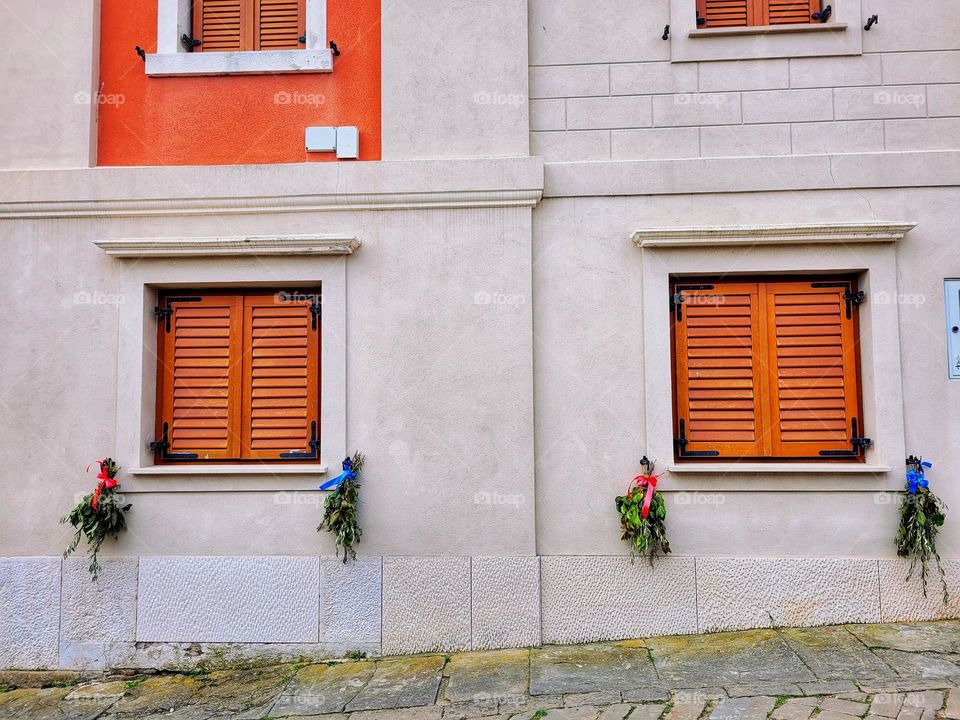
(767, 370)
(238, 377)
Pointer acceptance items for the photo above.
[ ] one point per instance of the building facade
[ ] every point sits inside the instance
(506, 249)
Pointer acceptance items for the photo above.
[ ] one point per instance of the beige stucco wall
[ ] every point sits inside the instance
(604, 85)
(48, 75)
(438, 386)
(592, 419)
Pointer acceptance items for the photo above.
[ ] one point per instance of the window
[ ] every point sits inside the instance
(238, 37)
(749, 13)
(230, 25)
(767, 369)
(238, 376)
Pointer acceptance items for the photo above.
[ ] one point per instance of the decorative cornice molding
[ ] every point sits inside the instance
(818, 234)
(251, 245)
(270, 204)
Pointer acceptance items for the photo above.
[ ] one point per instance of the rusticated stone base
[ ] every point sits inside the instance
(214, 612)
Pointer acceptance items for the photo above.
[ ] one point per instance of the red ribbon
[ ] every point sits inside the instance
(648, 481)
(105, 482)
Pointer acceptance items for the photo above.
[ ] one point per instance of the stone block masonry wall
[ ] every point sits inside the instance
(609, 91)
(180, 612)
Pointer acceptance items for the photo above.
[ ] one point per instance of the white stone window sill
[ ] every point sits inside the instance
(794, 468)
(768, 30)
(251, 62)
(251, 469)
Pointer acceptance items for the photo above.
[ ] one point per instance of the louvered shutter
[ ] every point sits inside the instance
(719, 375)
(200, 377)
(281, 377)
(726, 13)
(280, 24)
(222, 25)
(813, 369)
(788, 12)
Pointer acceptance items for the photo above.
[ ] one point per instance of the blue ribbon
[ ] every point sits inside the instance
(347, 474)
(915, 477)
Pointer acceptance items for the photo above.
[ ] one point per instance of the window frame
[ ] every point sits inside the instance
(240, 383)
(172, 59)
(141, 282)
(767, 400)
(866, 250)
(842, 34)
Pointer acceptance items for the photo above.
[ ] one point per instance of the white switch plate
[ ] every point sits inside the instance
(321, 139)
(951, 296)
(348, 143)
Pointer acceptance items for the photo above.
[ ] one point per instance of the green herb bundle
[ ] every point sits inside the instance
(98, 516)
(645, 535)
(340, 509)
(921, 517)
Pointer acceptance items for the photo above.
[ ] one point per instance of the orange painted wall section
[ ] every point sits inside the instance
(239, 119)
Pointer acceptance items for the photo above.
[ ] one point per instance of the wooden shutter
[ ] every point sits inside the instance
(788, 12)
(231, 25)
(813, 368)
(726, 13)
(719, 375)
(222, 25)
(199, 378)
(280, 24)
(281, 377)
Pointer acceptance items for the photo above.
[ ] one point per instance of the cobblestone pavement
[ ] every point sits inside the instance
(875, 672)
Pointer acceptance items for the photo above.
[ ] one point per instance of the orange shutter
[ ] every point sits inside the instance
(725, 13)
(281, 378)
(280, 24)
(789, 12)
(200, 381)
(813, 369)
(719, 376)
(222, 25)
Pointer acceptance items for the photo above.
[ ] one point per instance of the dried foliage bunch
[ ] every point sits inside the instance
(643, 515)
(921, 517)
(340, 509)
(98, 515)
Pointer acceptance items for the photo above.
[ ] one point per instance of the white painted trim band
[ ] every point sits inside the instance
(280, 203)
(251, 245)
(249, 62)
(817, 234)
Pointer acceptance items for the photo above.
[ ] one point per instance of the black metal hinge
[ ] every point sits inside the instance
(700, 20)
(680, 444)
(164, 313)
(825, 12)
(850, 296)
(676, 299)
(161, 446)
(316, 311)
(859, 444)
(313, 444)
(189, 42)
(666, 33)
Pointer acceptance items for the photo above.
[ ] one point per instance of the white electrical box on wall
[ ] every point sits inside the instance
(951, 295)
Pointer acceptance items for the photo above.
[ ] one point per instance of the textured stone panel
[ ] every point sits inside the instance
(29, 612)
(350, 598)
(606, 598)
(506, 602)
(741, 593)
(565, 81)
(426, 604)
(903, 599)
(97, 619)
(228, 599)
(571, 146)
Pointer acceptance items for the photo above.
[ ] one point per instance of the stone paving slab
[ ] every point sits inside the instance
(834, 653)
(832, 673)
(586, 668)
(491, 677)
(737, 658)
(401, 683)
